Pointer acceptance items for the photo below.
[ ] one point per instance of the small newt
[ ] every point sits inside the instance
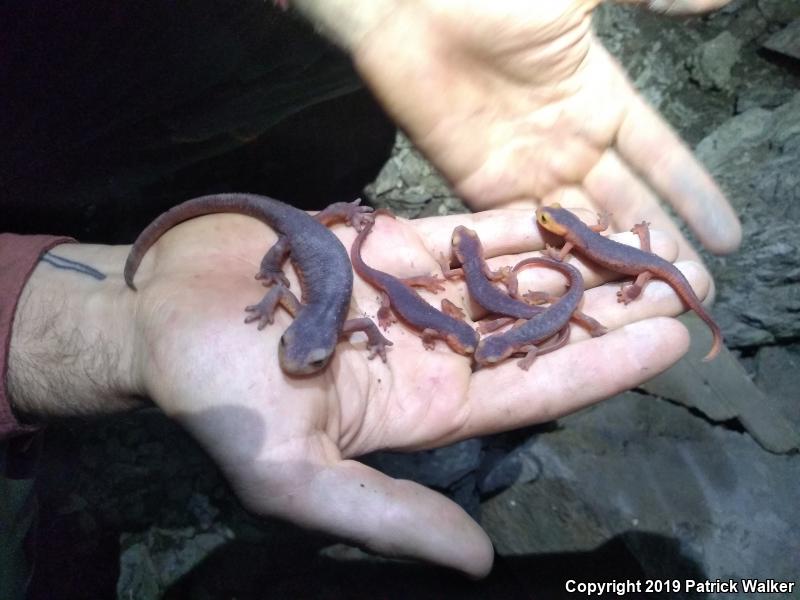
(625, 259)
(526, 336)
(320, 259)
(399, 295)
(468, 250)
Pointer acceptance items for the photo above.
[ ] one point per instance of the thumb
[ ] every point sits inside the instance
(390, 516)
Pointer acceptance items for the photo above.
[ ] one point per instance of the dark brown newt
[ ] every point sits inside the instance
(625, 259)
(528, 335)
(321, 261)
(468, 251)
(398, 295)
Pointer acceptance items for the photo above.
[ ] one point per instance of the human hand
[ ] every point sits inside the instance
(288, 445)
(518, 102)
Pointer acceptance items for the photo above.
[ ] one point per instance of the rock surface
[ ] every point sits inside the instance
(786, 41)
(712, 63)
(689, 500)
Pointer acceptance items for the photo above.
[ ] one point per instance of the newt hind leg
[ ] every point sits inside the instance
(603, 221)
(429, 337)
(432, 283)
(531, 352)
(554, 343)
(352, 213)
(629, 293)
(491, 324)
(385, 316)
(452, 310)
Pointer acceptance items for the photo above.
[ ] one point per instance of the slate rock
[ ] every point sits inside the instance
(440, 468)
(411, 186)
(762, 96)
(635, 465)
(451, 470)
(753, 156)
(753, 133)
(723, 391)
(777, 369)
(780, 11)
(786, 41)
(547, 516)
(762, 309)
(712, 62)
(514, 466)
(388, 179)
(153, 560)
(203, 510)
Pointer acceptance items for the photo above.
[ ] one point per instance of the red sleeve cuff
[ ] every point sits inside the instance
(19, 255)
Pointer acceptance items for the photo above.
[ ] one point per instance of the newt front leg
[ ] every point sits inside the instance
(376, 342)
(264, 311)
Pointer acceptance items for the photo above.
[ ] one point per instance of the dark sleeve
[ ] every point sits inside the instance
(19, 254)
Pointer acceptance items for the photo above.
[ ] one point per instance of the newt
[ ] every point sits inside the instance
(319, 258)
(621, 258)
(468, 251)
(528, 336)
(398, 295)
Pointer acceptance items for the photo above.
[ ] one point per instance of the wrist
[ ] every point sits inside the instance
(72, 340)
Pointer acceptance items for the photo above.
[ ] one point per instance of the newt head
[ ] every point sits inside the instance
(306, 354)
(461, 236)
(463, 341)
(493, 350)
(548, 218)
(455, 240)
(460, 231)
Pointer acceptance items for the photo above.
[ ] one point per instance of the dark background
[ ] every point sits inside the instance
(112, 112)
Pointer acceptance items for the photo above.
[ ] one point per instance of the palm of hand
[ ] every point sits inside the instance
(527, 106)
(194, 307)
(518, 101)
(282, 442)
(286, 444)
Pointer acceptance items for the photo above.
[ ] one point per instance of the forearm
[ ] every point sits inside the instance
(71, 349)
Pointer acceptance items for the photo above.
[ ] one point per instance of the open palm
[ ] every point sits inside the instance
(519, 102)
(287, 444)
